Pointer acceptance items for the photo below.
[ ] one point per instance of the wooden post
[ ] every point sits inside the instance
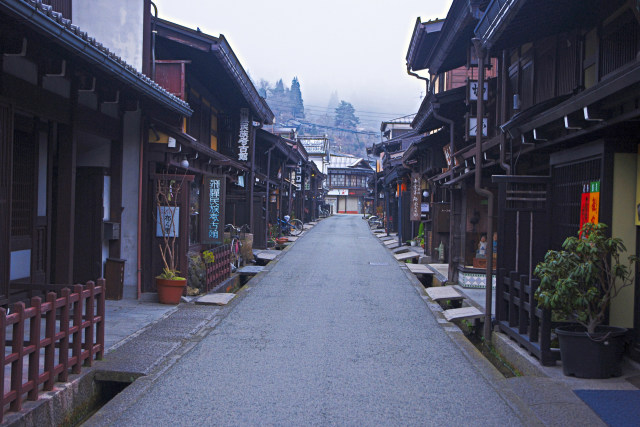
(50, 332)
(101, 320)
(3, 342)
(34, 356)
(17, 349)
(77, 332)
(90, 319)
(64, 342)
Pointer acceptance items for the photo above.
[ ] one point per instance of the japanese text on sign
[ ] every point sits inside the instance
(416, 197)
(213, 219)
(243, 140)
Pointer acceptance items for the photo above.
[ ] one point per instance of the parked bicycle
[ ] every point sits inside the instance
(290, 227)
(236, 234)
(325, 211)
(375, 222)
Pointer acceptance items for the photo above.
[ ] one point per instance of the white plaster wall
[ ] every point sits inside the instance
(117, 24)
(130, 180)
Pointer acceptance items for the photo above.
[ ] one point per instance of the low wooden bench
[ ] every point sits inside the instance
(419, 269)
(407, 255)
(267, 255)
(390, 241)
(400, 249)
(439, 293)
(250, 270)
(387, 238)
(462, 313)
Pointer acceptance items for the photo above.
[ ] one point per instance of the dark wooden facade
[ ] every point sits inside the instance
(562, 112)
(64, 101)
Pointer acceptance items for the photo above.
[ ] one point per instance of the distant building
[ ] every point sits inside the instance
(347, 180)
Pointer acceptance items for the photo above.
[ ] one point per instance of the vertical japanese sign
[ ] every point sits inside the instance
(416, 197)
(243, 137)
(213, 218)
(299, 176)
(590, 203)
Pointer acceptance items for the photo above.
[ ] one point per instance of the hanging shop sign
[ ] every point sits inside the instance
(473, 90)
(315, 146)
(473, 126)
(416, 197)
(590, 203)
(213, 218)
(243, 138)
(168, 221)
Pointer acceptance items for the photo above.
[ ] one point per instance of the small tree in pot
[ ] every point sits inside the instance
(579, 282)
(169, 283)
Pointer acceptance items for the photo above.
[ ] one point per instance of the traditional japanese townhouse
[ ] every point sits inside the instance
(215, 146)
(568, 104)
(273, 167)
(446, 50)
(393, 181)
(71, 120)
(348, 183)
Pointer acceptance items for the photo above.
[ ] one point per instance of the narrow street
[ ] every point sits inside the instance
(334, 334)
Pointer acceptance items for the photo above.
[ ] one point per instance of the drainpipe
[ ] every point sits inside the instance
(452, 150)
(503, 112)
(436, 108)
(418, 77)
(139, 254)
(153, 41)
(483, 192)
(266, 214)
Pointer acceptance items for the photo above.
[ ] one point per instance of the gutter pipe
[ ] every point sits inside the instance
(503, 112)
(483, 192)
(153, 41)
(418, 77)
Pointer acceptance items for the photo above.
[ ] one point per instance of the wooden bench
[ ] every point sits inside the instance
(250, 270)
(419, 269)
(268, 255)
(400, 249)
(462, 313)
(439, 293)
(407, 255)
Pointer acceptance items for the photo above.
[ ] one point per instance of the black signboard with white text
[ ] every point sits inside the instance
(213, 215)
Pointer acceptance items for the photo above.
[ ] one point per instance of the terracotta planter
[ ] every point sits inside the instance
(170, 291)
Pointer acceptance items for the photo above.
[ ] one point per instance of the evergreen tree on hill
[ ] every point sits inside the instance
(346, 116)
(295, 97)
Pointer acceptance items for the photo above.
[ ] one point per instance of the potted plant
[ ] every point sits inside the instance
(169, 283)
(579, 282)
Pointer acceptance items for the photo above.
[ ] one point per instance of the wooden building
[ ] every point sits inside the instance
(219, 141)
(556, 88)
(71, 114)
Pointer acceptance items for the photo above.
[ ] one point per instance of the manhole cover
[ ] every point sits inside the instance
(378, 263)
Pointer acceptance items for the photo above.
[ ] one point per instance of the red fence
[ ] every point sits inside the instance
(73, 333)
(220, 269)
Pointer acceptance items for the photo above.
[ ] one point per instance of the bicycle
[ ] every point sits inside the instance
(375, 222)
(236, 244)
(290, 227)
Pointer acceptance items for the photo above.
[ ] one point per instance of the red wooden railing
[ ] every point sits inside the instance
(76, 344)
(220, 269)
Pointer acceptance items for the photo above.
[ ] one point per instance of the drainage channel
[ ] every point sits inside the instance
(103, 392)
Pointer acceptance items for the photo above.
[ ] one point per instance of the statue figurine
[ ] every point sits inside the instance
(482, 247)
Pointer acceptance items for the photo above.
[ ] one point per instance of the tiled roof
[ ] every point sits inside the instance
(46, 12)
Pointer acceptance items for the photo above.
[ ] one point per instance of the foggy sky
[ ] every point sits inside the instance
(354, 47)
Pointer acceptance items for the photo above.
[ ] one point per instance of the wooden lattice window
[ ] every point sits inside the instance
(22, 204)
(619, 43)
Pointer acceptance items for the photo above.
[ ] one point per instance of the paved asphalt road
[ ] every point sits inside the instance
(334, 334)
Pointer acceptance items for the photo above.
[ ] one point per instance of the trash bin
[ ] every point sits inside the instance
(114, 278)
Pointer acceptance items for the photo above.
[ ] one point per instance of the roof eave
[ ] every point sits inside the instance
(103, 59)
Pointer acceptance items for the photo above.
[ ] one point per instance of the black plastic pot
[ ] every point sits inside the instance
(597, 355)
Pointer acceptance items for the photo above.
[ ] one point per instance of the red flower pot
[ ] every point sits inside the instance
(170, 290)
